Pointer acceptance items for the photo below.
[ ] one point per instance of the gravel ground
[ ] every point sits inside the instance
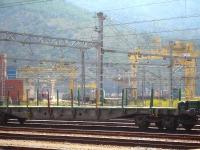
(66, 145)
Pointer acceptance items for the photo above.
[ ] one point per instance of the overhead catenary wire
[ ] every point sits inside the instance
(141, 5)
(138, 22)
(119, 24)
(21, 3)
(16, 2)
(154, 20)
(156, 32)
(6, 5)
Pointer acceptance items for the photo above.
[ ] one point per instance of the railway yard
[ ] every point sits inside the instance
(92, 75)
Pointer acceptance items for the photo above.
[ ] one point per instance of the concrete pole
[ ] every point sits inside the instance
(99, 92)
(160, 88)
(53, 82)
(129, 79)
(27, 98)
(57, 92)
(143, 82)
(170, 74)
(83, 75)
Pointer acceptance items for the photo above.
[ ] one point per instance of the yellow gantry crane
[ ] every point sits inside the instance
(91, 85)
(181, 53)
(66, 70)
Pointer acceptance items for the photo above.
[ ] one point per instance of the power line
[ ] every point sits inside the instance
(137, 22)
(23, 3)
(116, 31)
(141, 5)
(154, 20)
(155, 32)
(5, 5)
(116, 24)
(17, 2)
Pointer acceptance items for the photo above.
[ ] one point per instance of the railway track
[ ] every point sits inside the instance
(108, 123)
(102, 140)
(20, 148)
(85, 125)
(107, 133)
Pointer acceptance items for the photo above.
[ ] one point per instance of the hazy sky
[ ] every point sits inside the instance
(134, 10)
(142, 8)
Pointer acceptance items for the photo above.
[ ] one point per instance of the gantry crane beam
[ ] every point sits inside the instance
(70, 72)
(24, 38)
(149, 54)
(183, 54)
(35, 70)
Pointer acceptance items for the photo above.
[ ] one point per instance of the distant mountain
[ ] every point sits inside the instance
(60, 19)
(55, 18)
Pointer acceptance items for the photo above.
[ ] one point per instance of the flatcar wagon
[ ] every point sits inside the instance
(186, 114)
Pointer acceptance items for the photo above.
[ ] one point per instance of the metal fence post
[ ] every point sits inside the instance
(72, 99)
(18, 99)
(122, 98)
(37, 98)
(126, 96)
(151, 100)
(101, 98)
(97, 98)
(7, 100)
(78, 97)
(57, 98)
(179, 94)
(27, 99)
(48, 99)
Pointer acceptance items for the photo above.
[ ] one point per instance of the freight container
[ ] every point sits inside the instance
(11, 72)
(14, 90)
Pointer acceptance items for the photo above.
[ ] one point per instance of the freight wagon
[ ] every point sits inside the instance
(186, 114)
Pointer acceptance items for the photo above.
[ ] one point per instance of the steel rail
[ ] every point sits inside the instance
(103, 141)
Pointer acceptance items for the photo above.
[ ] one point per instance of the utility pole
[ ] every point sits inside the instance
(170, 73)
(83, 74)
(160, 96)
(99, 92)
(143, 84)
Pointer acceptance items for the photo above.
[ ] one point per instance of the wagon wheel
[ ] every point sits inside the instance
(188, 122)
(170, 123)
(187, 126)
(160, 124)
(142, 122)
(3, 119)
(21, 120)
